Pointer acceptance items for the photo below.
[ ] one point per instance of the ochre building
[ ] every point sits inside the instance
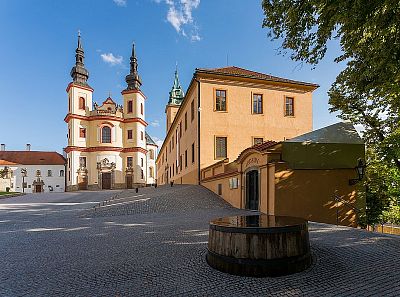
(108, 147)
(224, 111)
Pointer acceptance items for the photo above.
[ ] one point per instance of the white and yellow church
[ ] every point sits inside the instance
(108, 147)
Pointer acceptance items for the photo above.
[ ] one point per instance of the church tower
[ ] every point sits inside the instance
(79, 106)
(176, 96)
(134, 120)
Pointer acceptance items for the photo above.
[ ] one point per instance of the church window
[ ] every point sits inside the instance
(151, 152)
(130, 106)
(141, 108)
(61, 173)
(82, 132)
(220, 147)
(220, 100)
(141, 162)
(130, 134)
(106, 134)
(82, 104)
(257, 104)
(173, 142)
(289, 106)
(151, 172)
(142, 174)
(180, 130)
(82, 162)
(38, 173)
(141, 135)
(49, 173)
(129, 162)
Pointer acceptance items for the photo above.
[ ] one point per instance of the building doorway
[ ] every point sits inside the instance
(129, 181)
(82, 182)
(252, 190)
(106, 180)
(38, 188)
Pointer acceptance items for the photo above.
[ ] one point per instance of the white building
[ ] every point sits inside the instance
(36, 171)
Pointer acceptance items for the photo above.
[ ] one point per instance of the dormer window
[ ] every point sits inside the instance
(82, 104)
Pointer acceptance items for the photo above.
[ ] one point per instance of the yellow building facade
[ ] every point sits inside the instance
(225, 111)
(108, 147)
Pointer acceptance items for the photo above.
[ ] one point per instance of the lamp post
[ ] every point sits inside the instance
(360, 170)
(23, 174)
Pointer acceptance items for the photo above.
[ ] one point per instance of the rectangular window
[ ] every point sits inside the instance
(141, 162)
(180, 129)
(257, 103)
(257, 140)
(49, 173)
(180, 161)
(173, 170)
(192, 110)
(129, 162)
(141, 135)
(141, 108)
(170, 146)
(173, 140)
(220, 147)
(185, 158)
(82, 132)
(220, 100)
(193, 152)
(130, 106)
(289, 106)
(142, 175)
(69, 163)
(130, 135)
(82, 162)
(69, 176)
(219, 189)
(185, 121)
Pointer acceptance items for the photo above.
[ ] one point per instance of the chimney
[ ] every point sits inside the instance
(28, 147)
(2, 147)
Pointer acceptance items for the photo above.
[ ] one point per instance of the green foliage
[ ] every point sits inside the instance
(367, 91)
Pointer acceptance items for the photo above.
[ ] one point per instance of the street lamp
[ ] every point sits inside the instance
(24, 174)
(360, 169)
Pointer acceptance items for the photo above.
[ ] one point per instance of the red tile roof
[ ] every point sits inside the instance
(264, 146)
(240, 72)
(31, 158)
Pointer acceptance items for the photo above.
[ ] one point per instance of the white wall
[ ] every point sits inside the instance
(55, 181)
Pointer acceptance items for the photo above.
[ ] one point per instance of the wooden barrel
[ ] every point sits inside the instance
(259, 245)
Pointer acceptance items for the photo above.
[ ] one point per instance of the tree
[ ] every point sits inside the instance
(367, 91)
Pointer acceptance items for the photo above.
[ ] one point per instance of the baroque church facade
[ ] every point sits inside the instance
(108, 146)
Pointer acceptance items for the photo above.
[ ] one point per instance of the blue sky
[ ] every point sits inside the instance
(39, 39)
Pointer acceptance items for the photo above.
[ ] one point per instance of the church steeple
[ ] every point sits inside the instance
(176, 94)
(79, 73)
(133, 79)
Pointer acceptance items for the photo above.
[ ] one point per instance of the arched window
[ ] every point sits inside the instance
(106, 134)
(151, 152)
(62, 173)
(82, 104)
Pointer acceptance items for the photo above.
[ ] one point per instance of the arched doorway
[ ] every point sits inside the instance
(252, 190)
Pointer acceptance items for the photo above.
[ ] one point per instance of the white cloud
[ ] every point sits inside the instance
(120, 2)
(155, 123)
(180, 16)
(158, 141)
(111, 59)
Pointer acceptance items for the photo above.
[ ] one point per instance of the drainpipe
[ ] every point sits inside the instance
(198, 129)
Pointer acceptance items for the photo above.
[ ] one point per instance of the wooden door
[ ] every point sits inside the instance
(38, 188)
(252, 190)
(106, 181)
(129, 181)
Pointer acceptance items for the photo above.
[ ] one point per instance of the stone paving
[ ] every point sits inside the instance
(153, 243)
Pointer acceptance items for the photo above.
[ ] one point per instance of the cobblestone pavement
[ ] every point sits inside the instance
(153, 243)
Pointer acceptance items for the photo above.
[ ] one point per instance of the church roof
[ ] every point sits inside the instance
(176, 94)
(149, 140)
(337, 133)
(31, 158)
(241, 72)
